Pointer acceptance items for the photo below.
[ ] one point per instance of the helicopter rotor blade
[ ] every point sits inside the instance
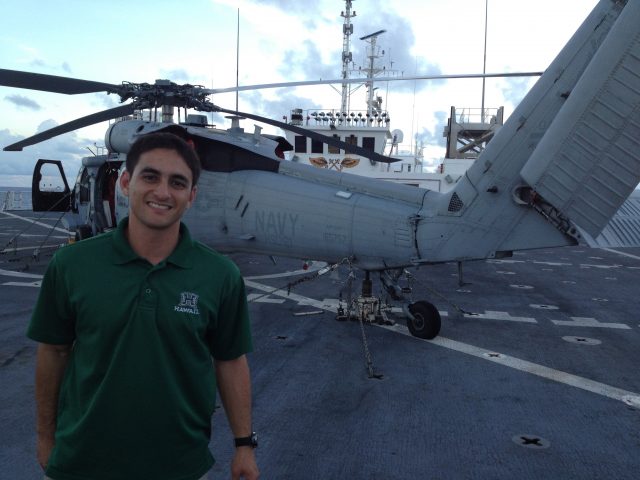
(121, 111)
(334, 142)
(367, 79)
(53, 83)
(164, 92)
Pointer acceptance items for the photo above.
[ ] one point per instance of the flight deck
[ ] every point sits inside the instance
(534, 373)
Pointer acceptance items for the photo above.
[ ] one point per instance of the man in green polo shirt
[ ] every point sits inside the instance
(128, 323)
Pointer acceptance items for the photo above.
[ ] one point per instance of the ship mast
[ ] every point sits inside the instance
(373, 106)
(347, 30)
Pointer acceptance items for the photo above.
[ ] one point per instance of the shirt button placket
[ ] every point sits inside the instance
(148, 297)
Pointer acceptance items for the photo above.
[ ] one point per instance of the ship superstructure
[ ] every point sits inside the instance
(467, 131)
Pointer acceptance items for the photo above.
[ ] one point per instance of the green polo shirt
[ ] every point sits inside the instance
(139, 390)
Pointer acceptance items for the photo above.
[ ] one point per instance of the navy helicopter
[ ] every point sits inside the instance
(562, 164)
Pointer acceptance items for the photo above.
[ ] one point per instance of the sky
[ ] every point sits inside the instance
(194, 41)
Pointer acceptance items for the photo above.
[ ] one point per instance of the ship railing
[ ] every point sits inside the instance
(478, 115)
(14, 200)
(359, 118)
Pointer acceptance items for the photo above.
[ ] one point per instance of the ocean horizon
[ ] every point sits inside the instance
(15, 181)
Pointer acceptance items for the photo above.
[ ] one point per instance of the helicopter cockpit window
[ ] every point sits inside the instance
(226, 157)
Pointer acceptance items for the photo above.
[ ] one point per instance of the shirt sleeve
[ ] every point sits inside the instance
(232, 335)
(52, 320)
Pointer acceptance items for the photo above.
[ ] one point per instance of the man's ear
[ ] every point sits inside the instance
(192, 196)
(125, 179)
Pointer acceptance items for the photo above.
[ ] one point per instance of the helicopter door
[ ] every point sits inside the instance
(50, 191)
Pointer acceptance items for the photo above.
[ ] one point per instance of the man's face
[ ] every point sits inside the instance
(159, 190)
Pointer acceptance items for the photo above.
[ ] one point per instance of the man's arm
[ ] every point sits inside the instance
(234, 384)
(51, 363)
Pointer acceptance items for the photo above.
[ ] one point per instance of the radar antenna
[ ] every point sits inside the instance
(347, 58)
(372, 54)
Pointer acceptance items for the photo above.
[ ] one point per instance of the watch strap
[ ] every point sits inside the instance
(250, 441)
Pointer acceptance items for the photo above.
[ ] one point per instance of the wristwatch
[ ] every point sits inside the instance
(250, 441)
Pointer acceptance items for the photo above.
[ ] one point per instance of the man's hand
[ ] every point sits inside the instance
(44, 448)
(234, 385)
(244, 464)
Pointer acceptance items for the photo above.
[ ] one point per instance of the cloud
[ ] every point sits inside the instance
(106, 101)
(294, 6)
(13, 163)
(178, 75)
(217, 119)
(21, 101)
(306, 62)
(397, 43)
(433, 137)
(70, 148)
(12, 181)
(38, 63)
(515, 89)
(46, 125)
(260, 104)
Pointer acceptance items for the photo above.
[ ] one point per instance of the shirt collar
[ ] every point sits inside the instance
(124, 253)
(181, 255)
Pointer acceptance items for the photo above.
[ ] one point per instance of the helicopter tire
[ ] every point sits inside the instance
(426, 320)
(83, 232)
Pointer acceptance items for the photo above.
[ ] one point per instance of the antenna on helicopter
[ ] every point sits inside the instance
(237, 57)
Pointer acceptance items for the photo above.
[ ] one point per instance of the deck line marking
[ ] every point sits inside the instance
(621, 253)
(527, 367)
(22, 284)
(504, 360)
(256, 297)
(19, 249)
(589, 322)
(282, 292)
(11, 273)
(314, 268)
(63, 230)
(492, 315)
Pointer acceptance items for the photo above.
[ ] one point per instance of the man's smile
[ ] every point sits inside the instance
(159, 205)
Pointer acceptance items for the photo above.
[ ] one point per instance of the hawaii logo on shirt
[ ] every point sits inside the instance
(188, 303)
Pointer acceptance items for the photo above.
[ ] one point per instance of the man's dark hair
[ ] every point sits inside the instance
(167, 141)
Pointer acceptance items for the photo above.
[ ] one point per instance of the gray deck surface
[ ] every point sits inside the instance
(458, 407)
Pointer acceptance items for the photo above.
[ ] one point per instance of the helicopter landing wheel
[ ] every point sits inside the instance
(424, 321)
